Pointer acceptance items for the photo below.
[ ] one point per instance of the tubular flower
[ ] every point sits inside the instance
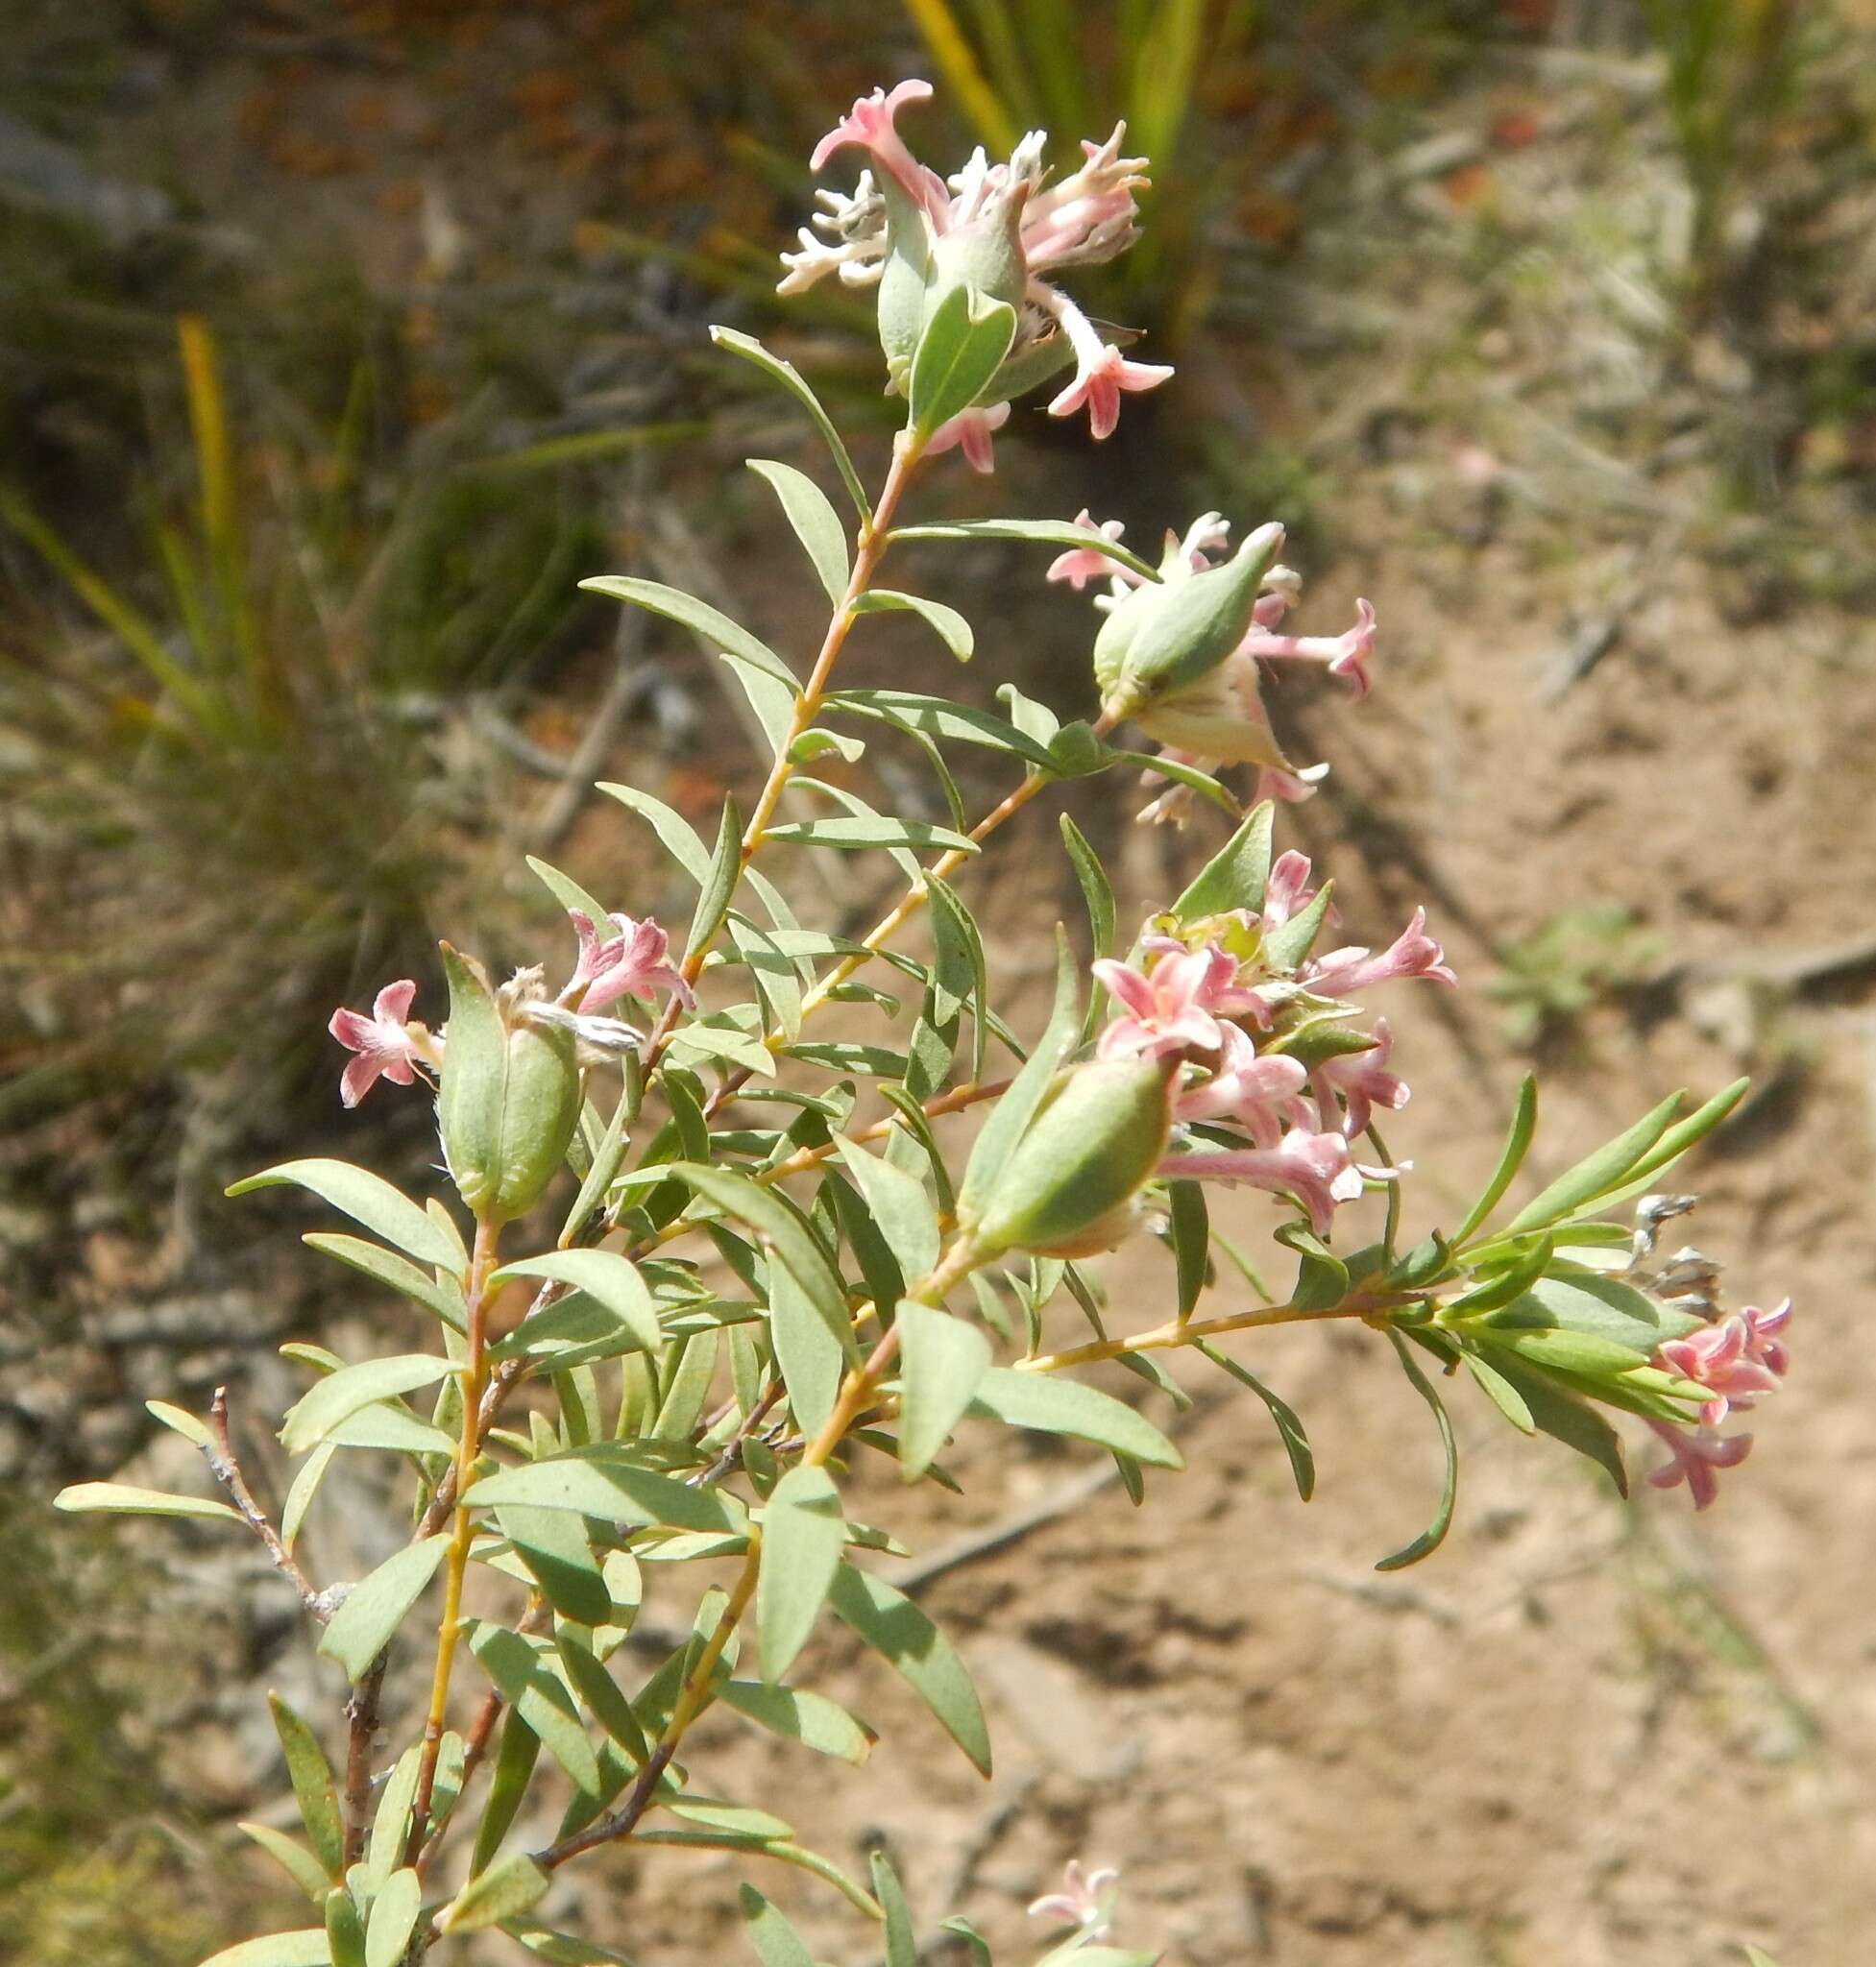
(1080, 564)
(1346, 972)
(969, 431)
(1170, 1008)
(1737, 1360)
(1084, 1898)
(1287, 890)
(1700, 1453)
(387, 1046)
(1363, 1081)
(634, 961)
(1346, 656)
(1316, 1171)
(1253, 1090)
(991, 227)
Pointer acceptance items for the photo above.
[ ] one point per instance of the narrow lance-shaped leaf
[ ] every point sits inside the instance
(942, 1364)
(720, 884)
(376, 1606)
(950, 627)
(1011, 1115)
(122, 1499)
(815, 523)
(510, 1887)
(1054, 1405)
(1289, 1424)
(1236, 875)
(308, 1947)
(901, 1946)
(341, 1395)
(674, 832)
(608, 1277)
(893, 1626)
(311, 1776)
(392, 1919)
(791, 378)
(1523, 1124)
(1433, 1536)
(776, 1942)
(1191, 1230)
(804, 1533)
(1043, 532)
(1596, 1174)
(368, 1199)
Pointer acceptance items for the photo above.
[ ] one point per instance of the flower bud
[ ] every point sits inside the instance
(1164, 638)
(510, 1096)
(1068, 1187)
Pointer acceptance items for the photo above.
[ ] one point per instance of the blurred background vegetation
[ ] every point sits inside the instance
(338, 341)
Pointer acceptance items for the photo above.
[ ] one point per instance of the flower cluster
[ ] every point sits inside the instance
(633, 960)
(1738, 1360)
(1270, 1069)
(1002, 228)
(1214, 715)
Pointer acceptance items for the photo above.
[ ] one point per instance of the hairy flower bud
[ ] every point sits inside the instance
(1068, 1187)
(510, 1095)
(1163, 638)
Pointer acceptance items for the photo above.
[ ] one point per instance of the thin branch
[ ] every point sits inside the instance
(225, 1468)
(361, 1712)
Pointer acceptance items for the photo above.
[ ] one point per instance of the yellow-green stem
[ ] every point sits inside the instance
(474, 1373)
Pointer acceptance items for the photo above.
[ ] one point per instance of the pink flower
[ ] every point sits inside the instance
(633, 962)
(1090, 216)
(1169, 1009)
(1346, 972)
(1698, 1455)
(1316, 1171)
(1102, 375)
(870, 124)
(1287, 891)
(1737, 1360)
(970, 430)
(1255, 1090)
(1363, 1080)
(1287, 786)
(1084, 1899)
(1347, 655)
(1081, 565)
(382, 1041)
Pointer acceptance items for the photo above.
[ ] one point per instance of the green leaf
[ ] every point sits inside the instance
(719, 884)
(1097, 891)
(607, 1480)
(526, 1671)
(377, 1605)
(1596, 1305)
(811, 1719)
(341, 1395)
(1192, 1228)
(961, 348)
(1523, 1124)
(514, 1770)
(1322, 1276)
(1433, 1536)
(899, 1207)
(803, 1534)
(1289, 1425)
(791, 378)
(607, 1155)
(856, 834)
(182, 1421)
(895, 1627)
(777, 1944)
(601, 1693)
(942, 1364)
(392, 1919)
(939, 718)
(815, 523)
(568, 892)
(1043, 532)
(368, 1199)
(783, 1230)
(901, 1947)
(1287, 944)
(345, 1930)
(1011, 1116)
(1236, 875)
(1567, 1418)
(391, 1821)
(611, 1280)
(711, 624)
(1502, 1393)
(121, 1499)
(1596, 1173)
(561, 1949)
(307, 1948)
(294, 1858)
(409, 1280)
(950, 627)
(1066, 1406)
(313, 1789)
(674, 832)
(513, 1886)
(552, 1544)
